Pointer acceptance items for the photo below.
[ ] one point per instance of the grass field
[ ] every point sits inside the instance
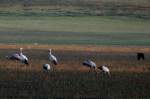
(133, 8)
(129, 77)
(109, 32)
(74, 30)
(80, 22)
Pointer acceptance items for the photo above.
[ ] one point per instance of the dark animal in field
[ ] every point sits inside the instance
(90, 64)
(19, 57)
(140, 56)
(52, 58)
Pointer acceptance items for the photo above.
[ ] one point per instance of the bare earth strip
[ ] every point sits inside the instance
(80, 48)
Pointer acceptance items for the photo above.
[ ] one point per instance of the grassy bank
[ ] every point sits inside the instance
(74, 30)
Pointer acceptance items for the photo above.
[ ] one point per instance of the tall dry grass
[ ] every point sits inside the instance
(129, 77)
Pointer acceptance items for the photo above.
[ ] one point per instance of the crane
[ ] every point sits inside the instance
(52, 58)
(105, 69)
(19, 57)
(90, 64)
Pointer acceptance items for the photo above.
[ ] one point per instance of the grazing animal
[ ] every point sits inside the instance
(19, 57)
(46, 67)
(89, 63)
(105, 69)
(140, 56)
(52, 58)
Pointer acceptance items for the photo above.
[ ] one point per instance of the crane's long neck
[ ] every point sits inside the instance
(50, 52)
(21, 51)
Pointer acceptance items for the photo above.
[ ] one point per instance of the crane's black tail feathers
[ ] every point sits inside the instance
(54, 62)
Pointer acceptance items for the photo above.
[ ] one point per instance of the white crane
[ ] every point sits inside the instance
(52, 58)
(105, 69)
(90, 63)
(46, 67)
(19, 57)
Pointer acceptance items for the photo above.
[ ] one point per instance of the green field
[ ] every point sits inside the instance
(84, 22)
(97, 30)
(135, 8)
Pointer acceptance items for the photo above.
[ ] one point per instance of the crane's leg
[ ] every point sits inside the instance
(96, 72)
(92, 70)
(53, 69)
(109, 74)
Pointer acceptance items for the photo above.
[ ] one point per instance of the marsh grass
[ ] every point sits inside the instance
(129, 78)
(74, 85)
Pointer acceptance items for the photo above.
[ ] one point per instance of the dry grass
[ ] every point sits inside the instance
(71, 57)
(130, 78)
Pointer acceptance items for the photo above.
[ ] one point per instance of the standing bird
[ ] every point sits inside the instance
(52, 58)
(19, 57)
(89, 63)
(105, 69)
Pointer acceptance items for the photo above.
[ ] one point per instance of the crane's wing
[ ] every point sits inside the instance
(89, 63)
(15, 57)
(86, 63)
(93, 64)
(24, 57)
(53, 59)
(25, 60)
(105, 69)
